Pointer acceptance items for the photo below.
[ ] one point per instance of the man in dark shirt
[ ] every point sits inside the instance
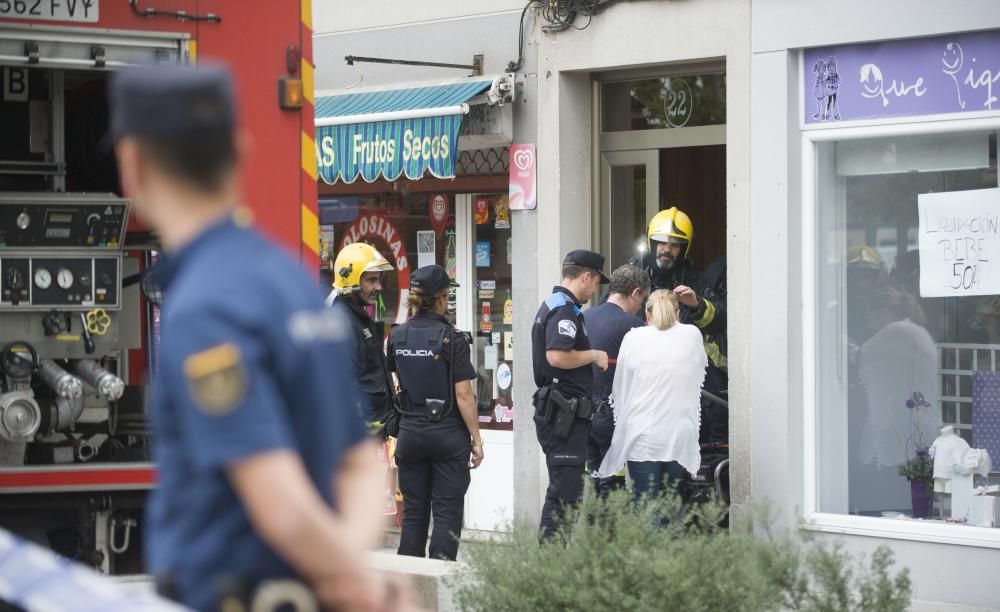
(561, 360)
(608, 324)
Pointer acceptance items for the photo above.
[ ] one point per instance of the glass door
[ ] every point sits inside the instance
(630, 187)
(492, 321)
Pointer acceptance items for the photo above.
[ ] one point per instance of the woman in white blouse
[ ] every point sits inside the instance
(657, 400)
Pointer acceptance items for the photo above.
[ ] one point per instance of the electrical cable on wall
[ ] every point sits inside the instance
(558, 15)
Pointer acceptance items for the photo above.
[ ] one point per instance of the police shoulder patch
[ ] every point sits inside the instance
(216, 378)
(567, 328)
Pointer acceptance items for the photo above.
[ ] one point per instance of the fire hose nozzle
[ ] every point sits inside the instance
(62, 382)
(109, 385)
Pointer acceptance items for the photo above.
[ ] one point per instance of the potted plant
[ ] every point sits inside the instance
(919, 469)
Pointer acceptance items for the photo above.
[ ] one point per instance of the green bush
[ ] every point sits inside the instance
(611, 555)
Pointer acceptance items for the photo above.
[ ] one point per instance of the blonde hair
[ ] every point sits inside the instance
(661, 309)
(418, 301)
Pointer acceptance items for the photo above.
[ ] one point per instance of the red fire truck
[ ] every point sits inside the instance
(78, 329)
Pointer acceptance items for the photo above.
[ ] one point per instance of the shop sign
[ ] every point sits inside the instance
(956, 73)
(522, 177)
(486, 321)
(378, 231)
(483, 255)
(482, 211)
(438, 210)
(502, 213)
(504, 376)
(503, 414)
(388, 149)
(959, 240)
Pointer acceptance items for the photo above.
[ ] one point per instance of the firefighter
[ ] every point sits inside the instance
(357, 284)
(266, 488)
(561, 361)
(703, 303)
(439, 431)
(667, 259)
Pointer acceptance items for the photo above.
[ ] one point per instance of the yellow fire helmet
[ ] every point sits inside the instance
(353, 261)
(863, 256)
(671, 226)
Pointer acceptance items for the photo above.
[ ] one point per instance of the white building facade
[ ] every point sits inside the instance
(709, 105)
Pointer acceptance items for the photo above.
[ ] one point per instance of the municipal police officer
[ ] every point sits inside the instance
(261, 476)
(561, 360)
(357, 283)
(438, 430)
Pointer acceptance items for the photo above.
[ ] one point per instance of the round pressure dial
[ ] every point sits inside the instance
(64, 278)
(43, 278)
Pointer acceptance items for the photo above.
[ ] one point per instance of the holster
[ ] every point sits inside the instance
(563, 411)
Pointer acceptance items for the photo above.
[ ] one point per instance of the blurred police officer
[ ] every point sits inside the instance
(439, 430)
(357, 285)
(261, 476)
(562, 359)
(607, 325)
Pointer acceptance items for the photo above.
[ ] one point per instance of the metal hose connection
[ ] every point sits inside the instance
(20, 416)
(106, 383)
(62, 382)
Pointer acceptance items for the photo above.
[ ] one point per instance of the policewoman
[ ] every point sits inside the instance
(263, 489)
(438, 438)
(357, 286)
(562, 358)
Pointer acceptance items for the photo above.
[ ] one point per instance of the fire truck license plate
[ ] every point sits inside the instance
(82, 11)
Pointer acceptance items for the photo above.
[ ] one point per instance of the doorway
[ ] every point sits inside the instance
(661, 144)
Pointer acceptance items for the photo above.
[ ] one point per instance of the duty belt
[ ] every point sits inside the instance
(562, 411)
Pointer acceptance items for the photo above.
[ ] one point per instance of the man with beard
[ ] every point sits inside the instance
(357, 283)
(703, 303)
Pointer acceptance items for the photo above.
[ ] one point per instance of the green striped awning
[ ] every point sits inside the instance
(388, 133)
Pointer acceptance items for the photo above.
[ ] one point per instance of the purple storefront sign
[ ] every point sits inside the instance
(957, 73)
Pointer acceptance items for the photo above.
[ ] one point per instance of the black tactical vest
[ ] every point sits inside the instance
(424, 372)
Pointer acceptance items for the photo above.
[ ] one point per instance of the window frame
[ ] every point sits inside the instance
(846, 524)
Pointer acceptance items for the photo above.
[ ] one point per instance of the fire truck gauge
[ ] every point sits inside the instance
(43, 278)
(15, 278)
(64, 278)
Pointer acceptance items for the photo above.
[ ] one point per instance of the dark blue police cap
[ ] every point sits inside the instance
(431, 279)
(167, 100)
(587, 259)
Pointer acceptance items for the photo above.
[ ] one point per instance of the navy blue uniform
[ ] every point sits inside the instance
(432, 455)
(608, 324)
(560, 325)
(250, 361)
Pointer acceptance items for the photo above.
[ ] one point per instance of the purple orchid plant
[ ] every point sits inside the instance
(920, 466)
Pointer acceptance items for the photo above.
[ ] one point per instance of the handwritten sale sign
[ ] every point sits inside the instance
(522, 177)
(959, 243)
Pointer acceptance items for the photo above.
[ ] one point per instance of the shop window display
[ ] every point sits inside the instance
(494, 333)
(908, 326)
